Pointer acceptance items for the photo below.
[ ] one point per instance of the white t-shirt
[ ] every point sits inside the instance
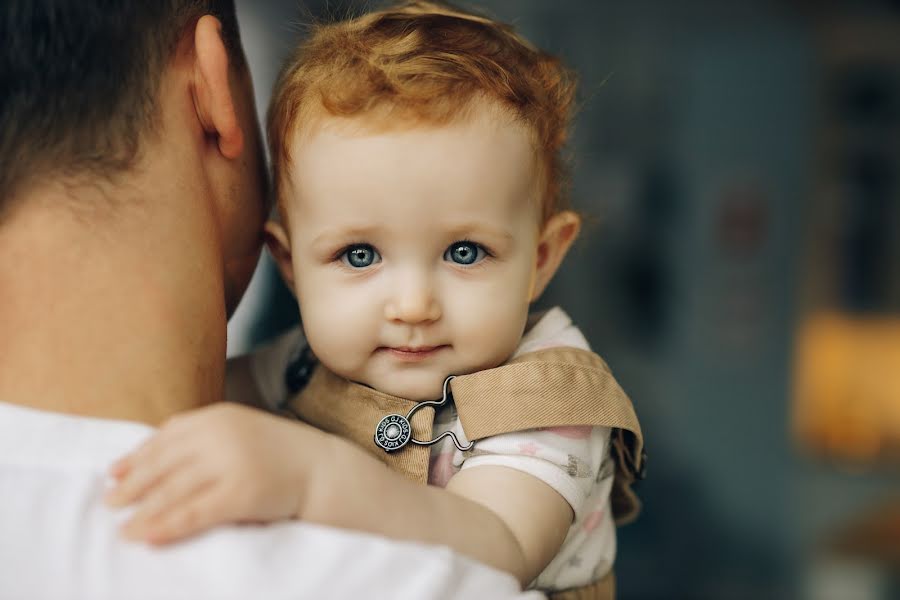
(59, 541)
(574, 461)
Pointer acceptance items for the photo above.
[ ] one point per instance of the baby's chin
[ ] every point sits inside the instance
(418, 388)
(415, 391)
(417, 385)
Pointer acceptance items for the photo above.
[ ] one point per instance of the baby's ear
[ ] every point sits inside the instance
(556, 239)
(279, 246)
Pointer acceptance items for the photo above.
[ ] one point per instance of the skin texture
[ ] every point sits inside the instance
(115, 291)
(407, 199)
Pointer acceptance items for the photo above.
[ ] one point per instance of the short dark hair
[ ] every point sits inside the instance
(80, 81)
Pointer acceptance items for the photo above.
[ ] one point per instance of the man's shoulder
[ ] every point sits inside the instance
(58, 441)
(61, 541)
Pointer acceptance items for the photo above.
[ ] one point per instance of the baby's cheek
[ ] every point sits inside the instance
(334, 328)
(492, 324)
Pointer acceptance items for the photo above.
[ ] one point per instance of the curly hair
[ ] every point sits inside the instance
(425, 62)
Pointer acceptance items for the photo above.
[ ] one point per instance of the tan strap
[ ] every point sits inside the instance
(602, 589)
(352, 411)
(547, 388)
(552, 388)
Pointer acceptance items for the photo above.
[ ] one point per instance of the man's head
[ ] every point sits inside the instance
(417, 154)
(81, 82)
(83, 94)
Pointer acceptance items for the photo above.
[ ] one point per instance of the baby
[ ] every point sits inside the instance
(416, 157)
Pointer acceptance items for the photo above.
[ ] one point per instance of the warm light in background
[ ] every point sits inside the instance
(847, 387)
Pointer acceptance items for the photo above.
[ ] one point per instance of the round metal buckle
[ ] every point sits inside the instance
(393, 432)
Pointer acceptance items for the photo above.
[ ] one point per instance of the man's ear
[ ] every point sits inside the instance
(280, 247)
(212, 93)
(556, 239)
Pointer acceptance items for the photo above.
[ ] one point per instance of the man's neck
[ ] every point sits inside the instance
(109, 315)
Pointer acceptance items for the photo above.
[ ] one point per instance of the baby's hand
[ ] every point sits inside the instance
(220, 464)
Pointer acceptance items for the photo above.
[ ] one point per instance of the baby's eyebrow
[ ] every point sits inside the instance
(329, 236)
(475, 228)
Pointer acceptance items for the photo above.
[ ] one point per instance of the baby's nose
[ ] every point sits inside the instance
(413, 301)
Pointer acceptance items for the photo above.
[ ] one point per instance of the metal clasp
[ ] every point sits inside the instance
(394, 431)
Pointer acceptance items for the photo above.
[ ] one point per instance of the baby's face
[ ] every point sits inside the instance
(413, 251)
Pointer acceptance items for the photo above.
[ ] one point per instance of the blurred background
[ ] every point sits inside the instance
(739, 167)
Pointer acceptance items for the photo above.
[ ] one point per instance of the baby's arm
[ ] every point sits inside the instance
(228, 463)
(500, 516)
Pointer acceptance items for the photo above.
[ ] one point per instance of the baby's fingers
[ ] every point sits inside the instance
(141, 472)
(171, 492)
(192, 515)
(121, 467)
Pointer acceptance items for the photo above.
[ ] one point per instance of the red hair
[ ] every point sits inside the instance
(426, 62)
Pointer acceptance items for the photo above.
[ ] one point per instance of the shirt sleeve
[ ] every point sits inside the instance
(568, 459)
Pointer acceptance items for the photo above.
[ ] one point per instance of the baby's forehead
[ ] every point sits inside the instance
(339, 153)
(457, 171)
(390, 118)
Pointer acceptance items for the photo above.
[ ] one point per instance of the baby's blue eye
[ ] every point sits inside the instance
(361, 256)
(464, 253)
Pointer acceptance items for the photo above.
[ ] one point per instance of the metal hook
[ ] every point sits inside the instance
(434, 403)
(449, 434)
(394, 431)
